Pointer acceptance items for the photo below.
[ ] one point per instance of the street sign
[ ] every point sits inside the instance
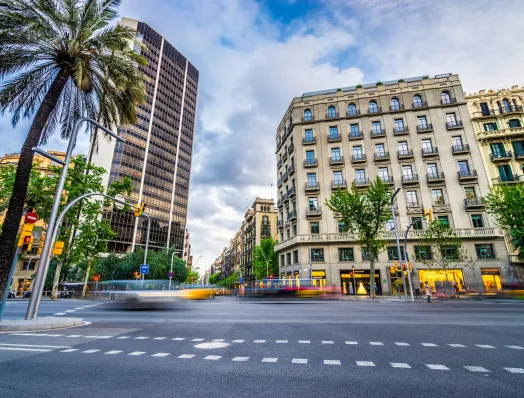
(120, 205)
(144, 269)
(241, 280)
(31, 217)
(170, 274)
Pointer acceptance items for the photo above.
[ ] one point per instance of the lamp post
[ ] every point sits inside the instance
(171, 272)
(27, 269)
(399, 254)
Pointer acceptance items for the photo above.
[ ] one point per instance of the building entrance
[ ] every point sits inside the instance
(356, 282)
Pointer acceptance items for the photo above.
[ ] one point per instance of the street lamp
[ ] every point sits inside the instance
(171, 273)
(27, 269)
(399, 254)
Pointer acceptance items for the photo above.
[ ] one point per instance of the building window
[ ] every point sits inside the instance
(443, 220)
(295, 257)
(514, 123)
(332, 112)
(337, 177)
(432, 170)
(463, 166)
(395, 104)
(477, 221)
(518, 147)
(335, 154)
(423, 253)
(346, 254)
(354, 130)
(376, 127)
(310, 157)
(422, 122)
(288, 258)
(490, 126)
(317, 255)
(403, 148)
(282, 261)
(417, 223)
(333, 132)
(383, 174)
(342, 229)
(506, 107)
(357, 152)
(471, 195)
(393, 253)
(360, 176)
(451, 119)
(313, 204)
(485, 251)
(457, 143)
(417, 101)
(398, 124)
(312, 179)
(315, 227)
(373, 108)
(412, 198)
(407, 172)
(352, 110)
(505, 173)
(309, 135)
(449, 253)
(380, 150)
(445, 97)
(437, 196)
(295, 230)
(308, 116)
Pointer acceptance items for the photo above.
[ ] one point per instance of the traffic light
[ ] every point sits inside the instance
(410, 266)
(139, 210)
(58, 248)
(428, 213)
(403, 267)
(26, 237)
(41, 244)
(96, 278)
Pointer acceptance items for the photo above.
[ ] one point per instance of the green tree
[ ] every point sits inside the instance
(506, 203)
(215, 278)
(265, 259)
(230, 280)
(365, 213)
(192, 277)
(443, 250)
(57, 57)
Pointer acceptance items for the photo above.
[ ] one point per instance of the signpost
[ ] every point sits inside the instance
(170, 275)
(144, 269)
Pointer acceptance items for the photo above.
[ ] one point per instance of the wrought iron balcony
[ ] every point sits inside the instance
(361, 182)
(280, 203)
(448, 101)
(410, 179)
(291, 148)
(381, 156)
(401, 130)
(396, 108)
(429, 152)
(338, 184)
(280, 224)
(291, 192)
(459, 149)
(510, 109)
(314, 212)
(467, 175)
(284, 155)
(334, 137)
(309, 140)
(310, 118)
(358, 158)
(375, 110)
(292, 215)
(474, 203)
(405, 154)
(418, 105)
(387, 180)
(291, 169)
(509, 179)
(285, 176)
(285, 198)
(455, 124)
(355, 135)
(279, 163)
(334, 160)
(332, 115)
(353, 113)
(424, 128)
(519, 155)
(378, 133)
(279, 182)
(435, 177)
(310, 162)
(312, 186)
(501, 156)
(482, 114)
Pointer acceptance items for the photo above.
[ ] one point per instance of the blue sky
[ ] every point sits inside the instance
(255, 56)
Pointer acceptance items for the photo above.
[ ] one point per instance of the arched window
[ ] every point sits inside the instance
(417, 101)
(395, 104)
(506, 107)
(308, 115)
(373, 108)
(445, 98)
(332, 112)
(352, 110)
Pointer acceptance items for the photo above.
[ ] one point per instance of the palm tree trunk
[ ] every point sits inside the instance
(86, 278)
(23, 171)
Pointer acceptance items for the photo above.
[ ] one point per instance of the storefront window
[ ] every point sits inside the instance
(319, 278)
(443, 280)
(357, 281)
(491, 279)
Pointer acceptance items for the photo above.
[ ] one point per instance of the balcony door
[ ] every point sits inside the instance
(497, 149)
(407, 172)
(505, 173)
(463, 167)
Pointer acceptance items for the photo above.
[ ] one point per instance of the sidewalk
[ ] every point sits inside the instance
(45, 323)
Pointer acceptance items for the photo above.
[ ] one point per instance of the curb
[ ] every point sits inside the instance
(47, 323)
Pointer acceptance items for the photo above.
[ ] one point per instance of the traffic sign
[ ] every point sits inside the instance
(241, 280)
(31, 217)
(170, 274)
(120, 205)
(144, 269)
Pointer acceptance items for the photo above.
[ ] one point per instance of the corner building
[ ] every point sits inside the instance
(414, 133)
(158, 149)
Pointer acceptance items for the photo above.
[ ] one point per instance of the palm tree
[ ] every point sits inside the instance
(60, 60)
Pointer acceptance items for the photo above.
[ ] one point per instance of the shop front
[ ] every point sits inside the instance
(491, 279)
(443, 281)
(356, 282)
(318, 279)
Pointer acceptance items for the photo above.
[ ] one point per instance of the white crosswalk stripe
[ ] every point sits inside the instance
(238, 341)
(375, 343)
(484, 346)
(299, 360)
(365, 363)
(403, 344)
(112, 352)
(515, 347)
(429, 344)
(328, 342)
(514, 370)
(271, 360)
(179, 338)
(197, 340)
(159, 338)
(186, 356)
(437, 367)
(60, 313)
(352, 342)
(477, 369)
(218, 340)
(304, 341)
(135, 353)
(400, 365)
(141, 338)
(259, 341)
(70, 350)
(457, 345)
(240, 359)
(332, 362)
(161, 354)
(74, 335)
(89, 351)
(123, 337)
(213, 357)
(281, 341)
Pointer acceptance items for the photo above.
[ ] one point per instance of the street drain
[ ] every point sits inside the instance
(213, 344)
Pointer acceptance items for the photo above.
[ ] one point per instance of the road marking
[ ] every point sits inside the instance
(112, 352)
(375, 343)
(352, 342)
(515, 347)
(514, 370)
(89, 351)
(437, 367)
(219, 340)
(36, 334)
(477, 369)
(161, 354)
(328, 342)
(35, 345)
(69, 310)
(197, 340)
(238, 341)
(134, 353)
(179, 338)
(259, 341)
(74, 335)
(79, 308)
(400, 365)
(429, 345)
(403, 344)
(60, 313)
(298, 360)
(141, 338)
(332, 362)
(304, 341)
(24, 349)
(365, 363)
(186, 356)
(271, 360)
(159, 338)
(457, 345)
(484, 346)
(281, 341)
(123, 337)
(213, 357)
(70, 350)
(240, 359)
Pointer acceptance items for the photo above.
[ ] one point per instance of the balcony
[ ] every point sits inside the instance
(424, 128)
(519, 155)
(279, 163)
(419, 105)
(336, 160)
(467, 175)
(361, 182)
(381, 156)
(375, 111)
(355, 135)
(511, 109)
(285, 176)
(410, 179)
(396, 108)
(479, 115)
(338, 184)
(279, 182)
(405, 154)
(378, 133)
(310, 162)
(334, 137)
(354, 113)
(509, 179)
(332, 115)
(292, 215)
(313, 212)
(448, 101)
(501, 156)
(358, 158)
(280, 224)
(291, 169)
(387, 180)
(284, 156)
(312, 186)
(401, 130)
(309, 140)
(265, 233)
(435, 178)
(460, 149)
(291, 192)
(306, 119)
(291, 148)
(474, 204)
(280, 203)
(455, 124)
(429, 152)
(285, 197)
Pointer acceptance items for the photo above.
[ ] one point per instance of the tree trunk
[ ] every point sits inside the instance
(54, 290)
(86, 279)
(372, 294)
(23, 171)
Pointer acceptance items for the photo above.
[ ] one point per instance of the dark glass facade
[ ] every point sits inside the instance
(158, 149)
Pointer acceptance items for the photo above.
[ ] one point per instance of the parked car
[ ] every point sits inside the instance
(27, 294)
(11, 294)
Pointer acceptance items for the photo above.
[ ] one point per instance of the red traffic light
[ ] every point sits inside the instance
(403, 267)
(27, 239)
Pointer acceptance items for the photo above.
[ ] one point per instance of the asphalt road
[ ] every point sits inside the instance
(229, 347)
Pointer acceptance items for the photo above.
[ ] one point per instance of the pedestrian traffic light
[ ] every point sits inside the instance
(96, 278)
(139, 209)
(403, 267)
(25, 242)
(58, 248)
(41, 244)
(428, 213)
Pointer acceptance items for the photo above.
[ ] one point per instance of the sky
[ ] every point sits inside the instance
(255, 56)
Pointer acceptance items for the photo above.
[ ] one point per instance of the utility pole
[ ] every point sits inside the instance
(392, 204)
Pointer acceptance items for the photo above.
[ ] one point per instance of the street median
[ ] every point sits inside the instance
(46, 323)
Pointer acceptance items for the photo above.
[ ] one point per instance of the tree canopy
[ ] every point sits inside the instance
(265, 259)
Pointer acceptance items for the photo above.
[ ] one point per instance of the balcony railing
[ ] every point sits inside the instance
(430, 151)
(455, 124)
(424, 128)
(291, 192)
(519, 155)
(280, 224)
(501, 156)
(387, 180)
(473, 203)
(291, 148)
(312, 186)
(285, 176)
(378, 133)
(334, 160)
(334, 137)
(309, 140)
(308, 118)
(338, 184)
(448, 101)
(358, 158)
(353, 113)
(396, 108)
(291, 169)
(404, 154)
(279, 182)
(361, 182)
(435, 177)
(509, 179)
(401, 130)
(310, 162)
(279, 163)
(280, 202)
(456, 149)
(313, 212)
(372, 111)
(410, 179)
(355, 135)
(422, 104)
(510, 109)
(284, 197)
(284, 155)
(292, 215)
(380, 156)
(332, 115)
(467, 174)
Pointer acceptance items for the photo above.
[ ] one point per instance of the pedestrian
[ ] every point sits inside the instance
(428, 292)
